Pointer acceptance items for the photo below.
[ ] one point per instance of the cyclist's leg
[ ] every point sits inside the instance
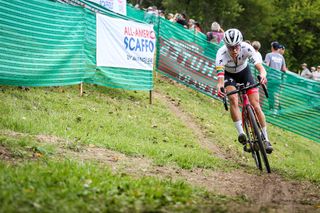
(254, 100)
(235, 113)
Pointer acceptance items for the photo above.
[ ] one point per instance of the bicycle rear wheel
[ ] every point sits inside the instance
(251, 136)
(257, 132)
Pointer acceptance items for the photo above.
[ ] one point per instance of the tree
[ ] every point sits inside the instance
(204, 11)
(298, 28)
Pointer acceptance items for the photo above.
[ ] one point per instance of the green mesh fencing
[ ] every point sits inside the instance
(47, 43)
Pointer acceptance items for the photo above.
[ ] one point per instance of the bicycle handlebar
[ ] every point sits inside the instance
(240, 88)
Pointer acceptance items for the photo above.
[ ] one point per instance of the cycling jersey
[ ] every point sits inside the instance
(225, 63)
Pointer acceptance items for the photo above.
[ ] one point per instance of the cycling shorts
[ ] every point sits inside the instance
(244, 76)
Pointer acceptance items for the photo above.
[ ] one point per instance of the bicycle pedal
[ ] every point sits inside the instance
(256, 147)
(247, 148)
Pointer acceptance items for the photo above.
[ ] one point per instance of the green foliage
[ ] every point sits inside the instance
(255, 20)
(225, 12)
(298, 29)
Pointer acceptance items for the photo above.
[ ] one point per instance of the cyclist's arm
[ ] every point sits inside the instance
(220, 75)
(263, 73)
(220, 63)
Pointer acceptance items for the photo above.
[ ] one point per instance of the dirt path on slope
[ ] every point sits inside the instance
(192, 125)
(267, 192)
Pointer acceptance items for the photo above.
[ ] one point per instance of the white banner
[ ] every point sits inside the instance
(118, 6)
(126, 44)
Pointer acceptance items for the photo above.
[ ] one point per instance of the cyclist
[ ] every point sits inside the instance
(232, 68)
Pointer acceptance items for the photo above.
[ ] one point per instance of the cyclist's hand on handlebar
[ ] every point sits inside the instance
(263, 77)
(220, 91)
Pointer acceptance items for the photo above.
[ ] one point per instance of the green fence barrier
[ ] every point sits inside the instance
(47, 43)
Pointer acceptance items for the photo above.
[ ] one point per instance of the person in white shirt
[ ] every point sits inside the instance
(316, 74)
(306, 73)
(232, 67)
(256, 45)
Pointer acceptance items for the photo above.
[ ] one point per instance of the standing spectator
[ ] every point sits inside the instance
(150, 15)
(256, 45)
(170, 17)
(281, 49)
(161, 14)
(316, 74)
(248, 41)
(175, 17)
(193, 25)
(197, 27)
(276, 61)
(216, 33)
(305, 71)
(181, 19)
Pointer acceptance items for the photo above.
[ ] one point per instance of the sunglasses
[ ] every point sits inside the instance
(236, 47)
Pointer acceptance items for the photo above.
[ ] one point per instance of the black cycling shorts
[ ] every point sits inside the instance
(244, 76)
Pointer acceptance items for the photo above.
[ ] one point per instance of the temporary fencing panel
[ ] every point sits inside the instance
(47, 43)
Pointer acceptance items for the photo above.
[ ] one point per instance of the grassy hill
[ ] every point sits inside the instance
(110, 151)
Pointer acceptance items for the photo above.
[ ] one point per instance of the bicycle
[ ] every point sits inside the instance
(252, 127)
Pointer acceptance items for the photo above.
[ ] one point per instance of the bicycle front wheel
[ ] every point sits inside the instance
(251, 137)
(257, 132)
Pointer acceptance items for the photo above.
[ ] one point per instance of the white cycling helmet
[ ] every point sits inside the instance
(232, 37)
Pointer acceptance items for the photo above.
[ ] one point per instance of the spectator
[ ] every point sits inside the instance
(305, 71)
(150, 15)
(170, 17)
(193, 25)
(316, 74)
(181, 19)
(137, 6)
(256, 45)
(281, 49)
(248, 41)
(175, 17)
(198, 27)
(161, 14)
(216, 33)
(274, 59)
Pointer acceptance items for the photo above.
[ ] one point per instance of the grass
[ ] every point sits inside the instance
(68, 186)
(35, 177)
(114, 119)
(36, 180)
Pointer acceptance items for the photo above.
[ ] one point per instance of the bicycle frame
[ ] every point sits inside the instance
(251, 125)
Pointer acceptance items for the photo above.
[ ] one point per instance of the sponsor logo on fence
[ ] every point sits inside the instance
(125, 44)
(185, 62)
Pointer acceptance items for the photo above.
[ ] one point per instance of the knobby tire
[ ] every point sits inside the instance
(257, 132)
(251, 137)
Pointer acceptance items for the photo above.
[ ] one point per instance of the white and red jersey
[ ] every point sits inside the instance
(225, 63)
